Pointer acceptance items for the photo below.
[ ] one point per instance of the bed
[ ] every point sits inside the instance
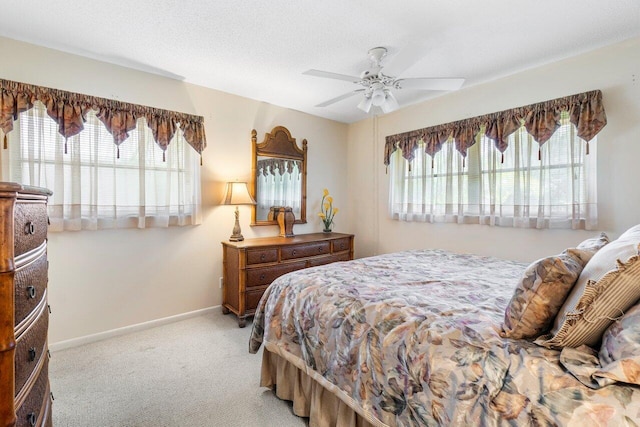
(417, 338)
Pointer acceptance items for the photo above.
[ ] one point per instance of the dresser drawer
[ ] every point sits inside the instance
(252, 299)
(35, 408)
(340, 245)
(261, 256)
(329, 259)
(30, 226)
(266, 275)
(30, 347)
(306, 250)
(30, 285)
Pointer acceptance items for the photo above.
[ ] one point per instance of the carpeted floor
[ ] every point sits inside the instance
(196, 372)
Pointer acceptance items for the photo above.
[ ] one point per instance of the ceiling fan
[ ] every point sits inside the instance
(377, 86)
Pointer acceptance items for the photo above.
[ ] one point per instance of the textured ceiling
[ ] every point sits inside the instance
(259, 49)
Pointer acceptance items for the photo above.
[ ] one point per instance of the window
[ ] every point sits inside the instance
(97, 184)
(517, 190)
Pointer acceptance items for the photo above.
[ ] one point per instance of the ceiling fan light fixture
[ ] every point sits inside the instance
(378, 97)
(365, 104)
(390, 103)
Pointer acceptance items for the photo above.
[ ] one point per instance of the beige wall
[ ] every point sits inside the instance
(103, 280)
(615, 70)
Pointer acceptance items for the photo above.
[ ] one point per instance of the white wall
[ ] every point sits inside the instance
(615, 70)
(102, 280)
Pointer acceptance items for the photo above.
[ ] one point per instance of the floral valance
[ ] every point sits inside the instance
(271, 165)
(541, 120)
(69, 110)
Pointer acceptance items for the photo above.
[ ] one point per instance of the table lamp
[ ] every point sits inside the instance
(237, 194)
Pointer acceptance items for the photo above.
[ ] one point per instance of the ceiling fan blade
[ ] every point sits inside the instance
(340, 98)
(403, 60)
(430, 83)
(329, 75)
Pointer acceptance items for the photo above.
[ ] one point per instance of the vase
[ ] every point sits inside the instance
(327, 230)
(286, 219)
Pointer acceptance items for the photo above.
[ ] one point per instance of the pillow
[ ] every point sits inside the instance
(606, 288)
(620, 351)
(619, 357)
(540, 294)
(592, 245)
(543, 288)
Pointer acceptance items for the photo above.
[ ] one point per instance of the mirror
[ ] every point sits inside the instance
(278, 176)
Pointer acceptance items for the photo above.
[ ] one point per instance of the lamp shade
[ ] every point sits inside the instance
(237, 194)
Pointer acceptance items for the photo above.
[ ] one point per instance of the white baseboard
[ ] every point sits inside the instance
(75, 342)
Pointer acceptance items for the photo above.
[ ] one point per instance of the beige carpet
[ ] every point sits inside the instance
(196, 372)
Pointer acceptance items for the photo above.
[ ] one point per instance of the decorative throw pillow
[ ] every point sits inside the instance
(620, 350)
(619, 357)
(540, 294)
(544, 287)
(592, 245)
(606, 288)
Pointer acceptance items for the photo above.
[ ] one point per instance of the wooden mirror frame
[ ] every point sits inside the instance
(279, 144)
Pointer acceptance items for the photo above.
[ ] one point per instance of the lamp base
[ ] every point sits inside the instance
(237, 234)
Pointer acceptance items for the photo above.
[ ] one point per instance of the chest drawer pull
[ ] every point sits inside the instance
(30, 228)
(31, 290)
(32, 354)
(31, 418)
(262, 276)
(293, 252)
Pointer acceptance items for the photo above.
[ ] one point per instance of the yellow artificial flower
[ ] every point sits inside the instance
(328, 211)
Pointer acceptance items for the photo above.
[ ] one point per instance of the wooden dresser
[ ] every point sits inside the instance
(251, 265)
(25, 399)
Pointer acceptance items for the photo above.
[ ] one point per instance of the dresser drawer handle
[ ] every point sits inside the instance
(30, 228)
(319, 248)
(341, 245)
(32, 354)
(31, 291)
(262, 276)
(32, 419)
(293, 253)
(262, 257)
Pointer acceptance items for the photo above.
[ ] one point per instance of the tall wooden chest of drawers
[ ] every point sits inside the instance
(25, 399)
(251, 265)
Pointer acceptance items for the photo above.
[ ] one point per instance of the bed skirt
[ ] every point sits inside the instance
(320, 403)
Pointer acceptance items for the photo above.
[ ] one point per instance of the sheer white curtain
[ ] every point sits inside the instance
(556, 191)
(96, 185)
(279, 184)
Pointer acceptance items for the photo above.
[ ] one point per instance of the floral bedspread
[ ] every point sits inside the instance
(413, 338)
